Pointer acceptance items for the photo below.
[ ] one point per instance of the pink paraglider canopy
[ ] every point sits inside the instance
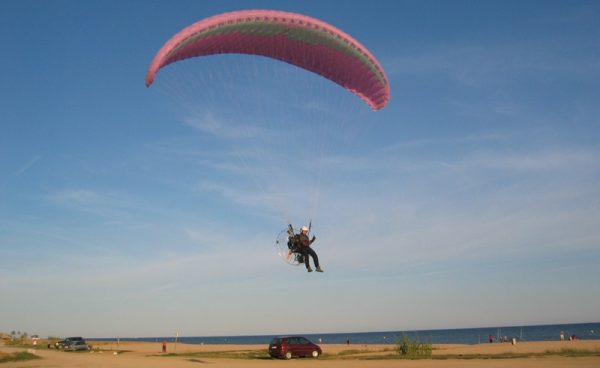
(293, 38)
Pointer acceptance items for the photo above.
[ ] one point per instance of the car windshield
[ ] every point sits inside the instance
(276, 341)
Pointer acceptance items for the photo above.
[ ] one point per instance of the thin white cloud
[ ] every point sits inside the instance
(28, 165)
(479, 65)
(262, 197)
(437, 208)
(109, 205)
(209, 123)
(430, 143)
(405, 156)
(407, 227)
(561, 159)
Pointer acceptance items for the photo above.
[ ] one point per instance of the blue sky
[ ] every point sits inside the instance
(472, 199)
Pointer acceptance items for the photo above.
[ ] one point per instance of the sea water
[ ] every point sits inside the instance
(583, 331)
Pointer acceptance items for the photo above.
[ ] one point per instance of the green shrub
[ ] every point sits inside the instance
(413, 348)
(18, 357)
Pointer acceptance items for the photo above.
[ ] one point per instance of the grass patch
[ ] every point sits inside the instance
(384, 354)
(196, 360)
(236, 354)
(569, 352)
(353, 352)
(563, 352)
(408, 348)
(17, 357)
(462, 356)
(41, 344)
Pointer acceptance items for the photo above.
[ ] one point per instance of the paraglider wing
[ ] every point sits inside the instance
(297, 39)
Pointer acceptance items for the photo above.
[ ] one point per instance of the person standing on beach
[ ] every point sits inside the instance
(491, 339)
(164, 346)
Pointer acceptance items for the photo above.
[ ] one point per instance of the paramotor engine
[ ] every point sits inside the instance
(285, 252)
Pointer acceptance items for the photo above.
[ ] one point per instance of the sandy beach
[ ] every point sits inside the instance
(136, 354)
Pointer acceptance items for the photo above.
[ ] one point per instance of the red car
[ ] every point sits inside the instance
(289, 346)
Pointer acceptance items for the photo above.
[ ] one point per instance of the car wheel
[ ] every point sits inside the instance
(288, 355)
(315, 354)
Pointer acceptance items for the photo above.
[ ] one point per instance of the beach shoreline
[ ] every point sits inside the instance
(128, 354)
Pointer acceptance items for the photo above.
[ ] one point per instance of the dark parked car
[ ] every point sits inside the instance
(290, 346)
(75, 345)
(63, 343)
